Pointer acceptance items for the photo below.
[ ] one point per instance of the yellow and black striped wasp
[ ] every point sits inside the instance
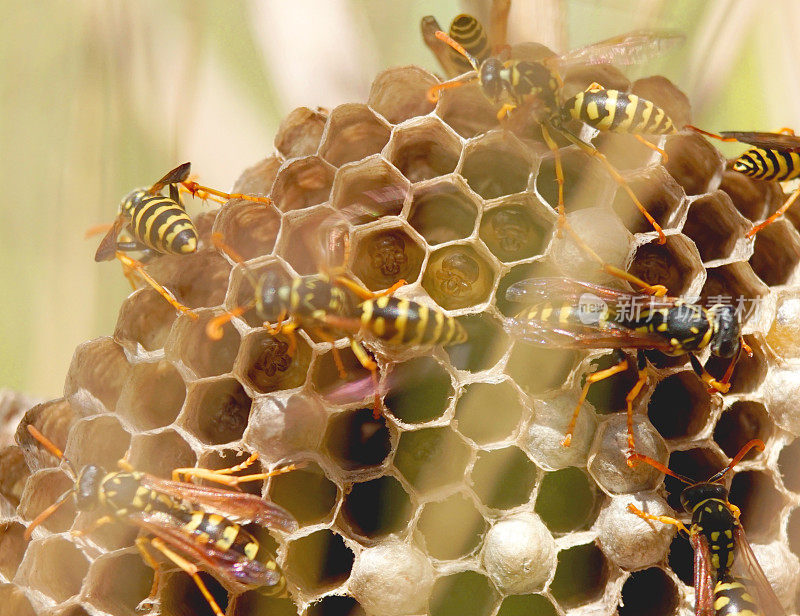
(153, 224)
(535, 87)
(728, 581)
(775, 157)
(331, 305)
(191, 525)
(569, 314)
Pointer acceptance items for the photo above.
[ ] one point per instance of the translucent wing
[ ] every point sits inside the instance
(771, 141)
(746, 565)
(567, 290)
(230, 503)
(108, 245)
(703, 581)
(178, 174)
(633, 47)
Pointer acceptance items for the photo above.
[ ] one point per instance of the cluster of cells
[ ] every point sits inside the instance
(460, 497)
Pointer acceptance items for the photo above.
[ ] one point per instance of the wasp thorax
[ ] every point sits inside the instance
(130, 200)
(728, 331)
(87, 487)
(491, 79)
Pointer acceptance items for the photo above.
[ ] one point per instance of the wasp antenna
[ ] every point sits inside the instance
(50, 446)
(445, 38)
(639, 457)
(758, 443)
(46, 514)
(707, 134)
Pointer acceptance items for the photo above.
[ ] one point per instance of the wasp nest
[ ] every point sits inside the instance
(460, 499)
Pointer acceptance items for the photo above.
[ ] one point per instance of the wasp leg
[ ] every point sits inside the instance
(141, 544)
(658, 518)
(592, 378)
(562, 213)
(504, 111)
(713, 384)
(202, 192)
(652, 146)
(778, 213)
(92, 527)
(138, 267)
(337, 357)
(641, 363)
(189, 568)
(593, 151)
(224, 476)
(363, 292)
(369, 363)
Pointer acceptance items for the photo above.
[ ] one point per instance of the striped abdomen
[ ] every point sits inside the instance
(567, 315)
(617, 112)
(732, 599)
(162, 224)
(469, 33)
(768, 164)
(401, 321)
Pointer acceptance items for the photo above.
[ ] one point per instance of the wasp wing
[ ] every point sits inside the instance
(703, 580)
(108, 245)
(227, 564)
(746, 565)
(633, 47)
(567, 290)
(178, 174)
(230, 503)
(770, 141)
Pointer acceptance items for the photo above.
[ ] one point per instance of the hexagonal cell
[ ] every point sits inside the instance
(258, 179)
(384, 256)
(191, 344)
(199, 279)
(14, 473)
(452, 528)
(300, 243)
(61, 582)
(420, 390)
(694, 163)
(749, 372)
(300, 132)
(624, 151)
(376, 508)
(586, 182)
(153, 395)
(479, 402)
(12, 548)
(99, 367)
(42, 490)
(552, 367)
(254, 603)
(457, 277)
(354, 132)
(680, 406)
(486, 343)
(581, 575)
(742, 421)
(503, 478)
(776, 254)
(284, 427)
(158, 454)
(368, 190)
(249, 228)
(326, 380)
(783, 333)
(425, 149)
(542, 268)
(265, 364)
(306, 492)
(714, 226)
(789, 469)
(180, 595)
(760, 502)
(753, 198)
(524, 605)
(54, 419)
(650, 592)
(514, 231)
(400, 93)
(15, 601)
(302, 183)
(467, 592)
(145, 320)
(442, 211)
(355, 439)
(98, 440)
(660, 195)
(565, 500)
(115, 593)
(736, 285)
(675, 264)
(217, 411)
(467, 111)
(496, 165)
(335, 605)
(431, 458)
(319, 562)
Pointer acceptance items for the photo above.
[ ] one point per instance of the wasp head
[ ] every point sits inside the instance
(728, 331)
(272, 297)
(87, 487)
(699, 492)
(491, 79)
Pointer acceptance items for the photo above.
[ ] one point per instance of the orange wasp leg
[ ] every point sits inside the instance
(138, 267)
(658, 518)
(777, 214)
(652, 146)
(225, 476)
(141, 544)
(629, 408)
(368, 363)
(199, 191)
(363, 292)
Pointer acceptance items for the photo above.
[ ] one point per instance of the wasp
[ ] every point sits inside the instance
(331, 305)
(537, 86)
(728, 581)
(775, 157)
(152, 223)
(570, 314)
(191, 525)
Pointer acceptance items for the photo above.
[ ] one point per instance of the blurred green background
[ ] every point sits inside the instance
(101, 96)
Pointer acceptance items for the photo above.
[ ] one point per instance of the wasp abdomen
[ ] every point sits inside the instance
(162, 224)
(615, 111)
(402, 321)
(469, 33)
(768, 164)
(731, 598)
